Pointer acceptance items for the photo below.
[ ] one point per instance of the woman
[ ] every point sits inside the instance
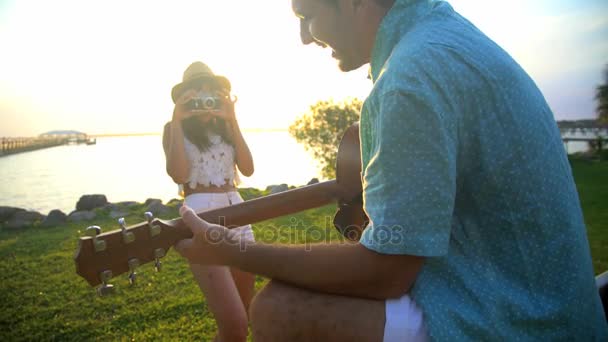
(204, 147)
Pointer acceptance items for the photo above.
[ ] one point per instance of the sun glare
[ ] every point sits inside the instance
(109, 67)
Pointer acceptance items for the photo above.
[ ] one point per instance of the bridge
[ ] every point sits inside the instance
(592, 132)
(12, 145)
(585, 127)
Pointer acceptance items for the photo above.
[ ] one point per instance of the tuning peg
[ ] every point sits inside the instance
(133, 263)
(105, 288)
(158, 253)
(93, 231)
(127, 236)
(154, 229)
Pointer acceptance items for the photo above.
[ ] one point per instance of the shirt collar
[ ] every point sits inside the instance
(398, 21)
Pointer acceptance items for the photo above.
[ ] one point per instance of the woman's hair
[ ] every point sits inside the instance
(198, 132)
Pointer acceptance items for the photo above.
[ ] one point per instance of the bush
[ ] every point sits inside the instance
(597, 145)
(321, 129)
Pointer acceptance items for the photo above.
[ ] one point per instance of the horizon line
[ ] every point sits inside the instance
(251, 130)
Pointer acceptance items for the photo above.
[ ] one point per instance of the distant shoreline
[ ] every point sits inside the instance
(245, 130)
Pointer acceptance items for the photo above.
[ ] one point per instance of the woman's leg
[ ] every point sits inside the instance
(217, 284)
(224, 301)
(244, 283)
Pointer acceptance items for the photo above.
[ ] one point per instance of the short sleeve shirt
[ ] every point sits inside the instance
(463, 163)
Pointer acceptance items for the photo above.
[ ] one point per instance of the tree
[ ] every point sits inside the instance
(321, 128)
(601, 96)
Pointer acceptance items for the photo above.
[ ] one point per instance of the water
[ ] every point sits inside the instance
(132, 169)
(581, 146)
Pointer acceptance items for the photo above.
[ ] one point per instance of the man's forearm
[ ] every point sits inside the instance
(343, 269)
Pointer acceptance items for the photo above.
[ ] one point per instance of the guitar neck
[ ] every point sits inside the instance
(101, 256)
(264, 208)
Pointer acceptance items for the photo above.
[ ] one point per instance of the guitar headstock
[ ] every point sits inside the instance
(101, 256)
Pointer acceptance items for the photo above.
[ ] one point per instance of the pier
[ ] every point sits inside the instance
(592, 132)
(12, 145)
(584, 127)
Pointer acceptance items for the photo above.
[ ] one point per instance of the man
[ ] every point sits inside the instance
(476, 230)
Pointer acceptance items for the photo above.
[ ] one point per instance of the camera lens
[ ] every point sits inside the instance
(209, 103)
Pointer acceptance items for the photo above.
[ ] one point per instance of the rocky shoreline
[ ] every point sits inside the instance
(13, 218)
(18, 218)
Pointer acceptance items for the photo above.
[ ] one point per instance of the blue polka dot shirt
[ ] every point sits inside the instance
(463, 163)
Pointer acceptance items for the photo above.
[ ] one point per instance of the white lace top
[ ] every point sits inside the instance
(215, 166)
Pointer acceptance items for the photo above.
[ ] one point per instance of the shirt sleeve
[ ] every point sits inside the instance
(409, 182)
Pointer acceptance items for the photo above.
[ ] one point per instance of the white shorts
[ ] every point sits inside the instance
(403, 320)
(210, 200)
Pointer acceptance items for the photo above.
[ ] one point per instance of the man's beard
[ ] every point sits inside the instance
(346, 64)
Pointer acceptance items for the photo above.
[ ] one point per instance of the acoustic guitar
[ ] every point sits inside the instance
(101, 256)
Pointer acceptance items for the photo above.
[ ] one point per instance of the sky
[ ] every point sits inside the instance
(107, 67)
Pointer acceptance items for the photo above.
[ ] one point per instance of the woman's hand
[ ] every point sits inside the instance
(181, 111)
(226, 111)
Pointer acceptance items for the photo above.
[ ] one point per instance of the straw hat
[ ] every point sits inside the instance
(196, 72)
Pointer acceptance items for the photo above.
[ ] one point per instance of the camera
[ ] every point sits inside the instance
(206, 103)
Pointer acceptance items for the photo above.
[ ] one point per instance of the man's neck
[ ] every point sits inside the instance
(369, 23)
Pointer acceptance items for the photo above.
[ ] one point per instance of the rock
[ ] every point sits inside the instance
(28, 215)
(122, 207)
(111, 207)
(90, 202)
(84, 215)
(151, 200)
(54, 218)
(7, 212)
(273, 189)
(313, 181)
(16, 224)
(157, 208)
(177, 203)
(23, 219)
(127, 204)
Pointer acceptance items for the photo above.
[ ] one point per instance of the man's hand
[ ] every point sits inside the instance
(209, 244)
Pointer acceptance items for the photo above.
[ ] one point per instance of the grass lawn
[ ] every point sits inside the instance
(41, 297)
(591, 179)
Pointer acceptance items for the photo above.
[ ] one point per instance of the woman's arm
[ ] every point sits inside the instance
(243, 158)
(177, 164)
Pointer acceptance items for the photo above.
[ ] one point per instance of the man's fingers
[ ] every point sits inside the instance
(183, 247)
(191, 220)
